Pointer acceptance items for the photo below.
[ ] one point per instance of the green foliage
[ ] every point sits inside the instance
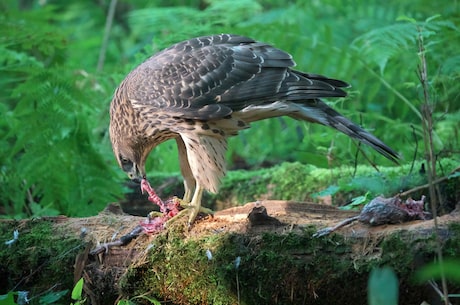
(450, 269)
(357, 202)
(171, 24)
(8, 299)
(55, 153)
(149, 300)
(143, 298)
(384, 43)
(348, 50)
(48, 298)
(52, 157)
(370, 184)
(52, 297)
(383, 287)
(77, 293)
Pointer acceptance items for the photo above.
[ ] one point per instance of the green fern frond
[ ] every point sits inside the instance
(231, 12)
(381, 44)
(384, 43)
(51, 158)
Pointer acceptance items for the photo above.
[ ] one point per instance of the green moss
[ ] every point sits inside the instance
(452, 245)
(243, 186)
(273, 267)
(40, 259)
(286, 267)
(296, 181)
(290, 181)
(181, 272)
(397, 254)
(293, 181)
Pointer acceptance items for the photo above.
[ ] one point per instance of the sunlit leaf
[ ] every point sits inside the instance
(77, 290)
(330, 190)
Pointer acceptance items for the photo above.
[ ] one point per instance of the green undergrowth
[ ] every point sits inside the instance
(54, 110)
(40, 261)
(273, 268)
(295, 181)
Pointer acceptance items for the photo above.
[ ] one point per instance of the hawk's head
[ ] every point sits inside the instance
(134, 170)
(129, 150)
(131, 159)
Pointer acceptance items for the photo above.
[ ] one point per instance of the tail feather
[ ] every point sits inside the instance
(298, 95)
(325, 115)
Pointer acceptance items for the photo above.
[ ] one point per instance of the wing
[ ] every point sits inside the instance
(210, 77)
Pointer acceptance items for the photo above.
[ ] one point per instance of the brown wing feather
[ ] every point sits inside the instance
(210, 77)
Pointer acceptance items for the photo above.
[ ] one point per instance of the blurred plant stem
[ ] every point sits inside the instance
(427, 124)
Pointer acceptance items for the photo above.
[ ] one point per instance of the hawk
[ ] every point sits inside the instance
(203, 90)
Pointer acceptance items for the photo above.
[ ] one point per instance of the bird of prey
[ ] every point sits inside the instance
(203, 90)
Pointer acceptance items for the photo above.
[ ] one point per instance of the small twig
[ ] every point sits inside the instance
(367, 158)
(355, 165)
(329, 230)
(415, 151)
(434, 285)
(52, 288)
(124, 240)
(237, 287)
(237, 265)
(427, 124)
(330, 154)
(439, 194)
(425, 186)
(391, 88)
(30, 197)
(105, 40)
(362, 152)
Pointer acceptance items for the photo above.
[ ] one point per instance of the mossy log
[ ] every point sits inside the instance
(225, 259)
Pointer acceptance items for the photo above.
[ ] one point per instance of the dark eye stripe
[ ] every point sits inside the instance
(126, 164)
(127, 167)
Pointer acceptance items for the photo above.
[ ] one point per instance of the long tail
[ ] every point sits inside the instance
(319, 112)
(298, 95)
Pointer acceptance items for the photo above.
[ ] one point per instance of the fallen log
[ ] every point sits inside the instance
(259, 253)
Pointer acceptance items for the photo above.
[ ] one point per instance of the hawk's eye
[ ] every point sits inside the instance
(126, 164)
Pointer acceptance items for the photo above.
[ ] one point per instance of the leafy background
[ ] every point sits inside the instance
(56, 87)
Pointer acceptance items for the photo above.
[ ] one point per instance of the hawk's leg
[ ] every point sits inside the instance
(193, 207)
(195, 158)
(188, 193)
(189, 180)
(195, 204)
